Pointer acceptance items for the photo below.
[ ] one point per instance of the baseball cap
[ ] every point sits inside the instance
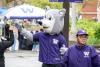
(81, 32)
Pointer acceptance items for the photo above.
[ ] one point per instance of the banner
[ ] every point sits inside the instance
(77, 1)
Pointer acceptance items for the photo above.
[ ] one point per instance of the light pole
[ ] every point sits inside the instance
(66, 22)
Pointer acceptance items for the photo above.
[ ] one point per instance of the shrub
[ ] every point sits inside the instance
(43, 3)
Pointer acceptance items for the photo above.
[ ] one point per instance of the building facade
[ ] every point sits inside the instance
(89, 10)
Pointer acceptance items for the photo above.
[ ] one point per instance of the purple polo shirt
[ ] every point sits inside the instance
(50, 47)
(85, 56)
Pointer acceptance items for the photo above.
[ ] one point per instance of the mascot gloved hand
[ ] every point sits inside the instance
(23, 31)
(63, 49)
(18, 26)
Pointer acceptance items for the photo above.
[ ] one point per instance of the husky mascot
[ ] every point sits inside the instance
(52, 42)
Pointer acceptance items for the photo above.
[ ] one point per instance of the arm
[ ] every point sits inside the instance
(24, 32)
(27, 34)
(95, 58)
(63, 45)
(65, 58)
(96, 61)
(8, 42)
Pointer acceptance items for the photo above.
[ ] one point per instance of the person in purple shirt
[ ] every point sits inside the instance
(50, 46)
(52, 43)
(81, 54)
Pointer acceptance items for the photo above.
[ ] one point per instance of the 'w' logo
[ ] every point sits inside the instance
(27, 10)
(86, 54)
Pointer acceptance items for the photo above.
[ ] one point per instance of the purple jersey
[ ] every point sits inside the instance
(85, 56)
(50, 47)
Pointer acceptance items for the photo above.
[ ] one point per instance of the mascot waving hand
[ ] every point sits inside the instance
(52, 42)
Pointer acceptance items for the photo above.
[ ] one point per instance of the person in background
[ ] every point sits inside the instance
(81, 54)
(21, 41)
(15, 46)
(6, 30)
(4, 44)
(35, 45)
(21, 38)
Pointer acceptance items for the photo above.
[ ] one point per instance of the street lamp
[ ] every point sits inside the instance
(66, 22)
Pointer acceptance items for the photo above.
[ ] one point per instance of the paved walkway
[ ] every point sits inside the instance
(22, 59)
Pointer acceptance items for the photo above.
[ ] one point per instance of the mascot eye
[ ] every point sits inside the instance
(50, 18)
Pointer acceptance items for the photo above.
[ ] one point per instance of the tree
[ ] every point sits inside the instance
(43, 3)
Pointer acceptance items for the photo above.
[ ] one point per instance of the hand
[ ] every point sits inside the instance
(11, 28)
(18, 26)
(63, 50)
(3, 38)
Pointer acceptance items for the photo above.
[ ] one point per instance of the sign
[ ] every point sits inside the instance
(56, 0)
(77, 1)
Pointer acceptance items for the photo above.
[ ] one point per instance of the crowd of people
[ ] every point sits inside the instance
(20, 41)
(79, 54)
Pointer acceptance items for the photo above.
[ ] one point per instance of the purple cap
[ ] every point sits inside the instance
(81, 32)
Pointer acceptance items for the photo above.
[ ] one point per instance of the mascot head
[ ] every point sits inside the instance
(54, 21)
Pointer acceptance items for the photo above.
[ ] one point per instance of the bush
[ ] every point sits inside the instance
(97, 33)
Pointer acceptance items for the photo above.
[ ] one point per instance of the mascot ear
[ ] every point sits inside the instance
(62, 12)
(47, 8)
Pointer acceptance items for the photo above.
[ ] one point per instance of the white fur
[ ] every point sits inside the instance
(54, 21)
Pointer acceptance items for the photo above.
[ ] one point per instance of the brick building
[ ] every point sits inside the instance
(89, 10)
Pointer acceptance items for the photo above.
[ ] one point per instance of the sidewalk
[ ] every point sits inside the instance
(22, 59)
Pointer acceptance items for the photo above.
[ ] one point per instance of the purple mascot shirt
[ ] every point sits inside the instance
(85, 56)
(50, 47)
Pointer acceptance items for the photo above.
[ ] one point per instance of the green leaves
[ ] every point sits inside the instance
(43, 3)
